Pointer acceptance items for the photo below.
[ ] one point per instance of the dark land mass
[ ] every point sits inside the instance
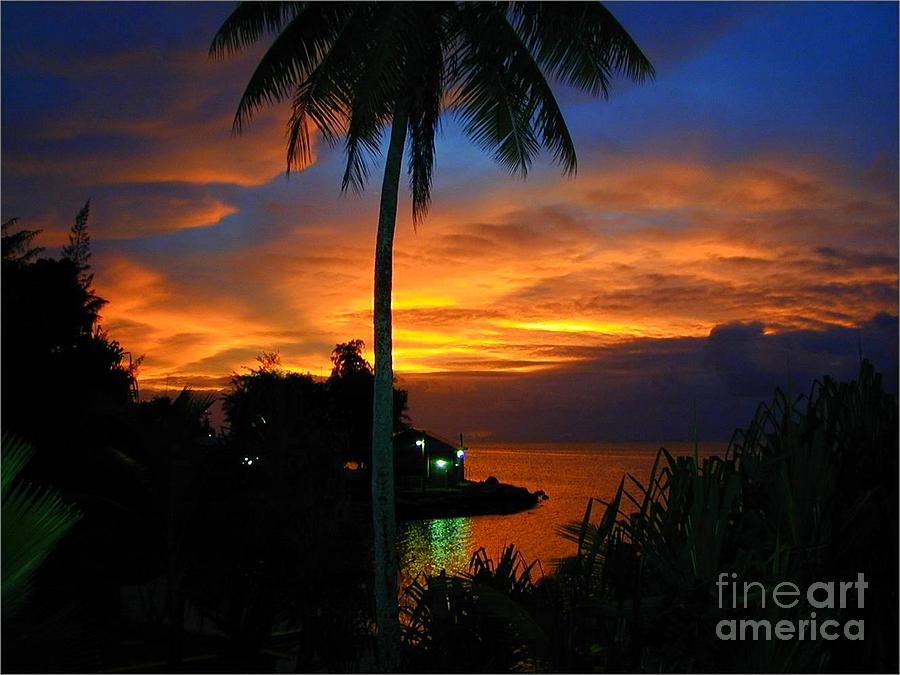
(469, 498)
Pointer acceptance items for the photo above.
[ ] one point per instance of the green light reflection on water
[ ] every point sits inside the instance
(432, 545)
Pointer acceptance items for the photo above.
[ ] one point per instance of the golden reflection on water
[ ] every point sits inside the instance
(432, 545)
(570, 474)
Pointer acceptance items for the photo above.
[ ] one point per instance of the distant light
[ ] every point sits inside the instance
(440, 463)
(460, 454)
(420, 443)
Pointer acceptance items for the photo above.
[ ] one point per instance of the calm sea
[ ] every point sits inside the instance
(569, 473)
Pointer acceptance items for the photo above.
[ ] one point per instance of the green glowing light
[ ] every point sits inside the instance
(440, 463)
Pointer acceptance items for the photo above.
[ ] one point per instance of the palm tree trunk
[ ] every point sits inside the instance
(385, 524)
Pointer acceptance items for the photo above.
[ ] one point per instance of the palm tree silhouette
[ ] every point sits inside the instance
(351, 70)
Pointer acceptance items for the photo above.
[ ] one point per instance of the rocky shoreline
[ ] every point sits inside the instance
(488, 497)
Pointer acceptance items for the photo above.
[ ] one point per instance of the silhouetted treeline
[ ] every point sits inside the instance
(67, 391)
(183, 534)
(256, 405)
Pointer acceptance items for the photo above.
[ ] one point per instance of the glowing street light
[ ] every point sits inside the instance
(421, 444)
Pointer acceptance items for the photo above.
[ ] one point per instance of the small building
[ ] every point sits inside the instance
(423, 459)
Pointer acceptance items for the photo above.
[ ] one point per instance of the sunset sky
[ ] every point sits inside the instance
(733, 225)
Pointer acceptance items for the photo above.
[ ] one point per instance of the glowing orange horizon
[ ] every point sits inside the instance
(517, 280)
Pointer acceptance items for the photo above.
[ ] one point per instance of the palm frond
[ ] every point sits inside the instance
(493, 103)
(426, 87)
(16, 454)
(250, 21)
(375, 92)
(16, 247)
(191, 404)
(295, 53)
(548, 116)
(324, 97)
(581, 44)
(34, 520)
(350, 65)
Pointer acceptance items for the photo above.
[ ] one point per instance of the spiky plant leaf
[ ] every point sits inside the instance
(34, 520)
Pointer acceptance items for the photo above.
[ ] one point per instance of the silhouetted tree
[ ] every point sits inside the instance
(352, 388)
(65, 389)
(79, 252)
(172, 441)
(354, 69)
(15, 245)
(269, 362)
(78, 249)
(277, 535)
(347, 358)
(53, 348)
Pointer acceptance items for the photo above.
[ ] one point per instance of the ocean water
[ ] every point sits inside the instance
(569, 473)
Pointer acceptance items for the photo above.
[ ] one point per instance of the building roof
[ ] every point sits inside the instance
(434, 443)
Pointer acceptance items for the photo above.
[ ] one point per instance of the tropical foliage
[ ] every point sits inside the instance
(480, 621)
(53, 335)
(350, 68)
(34, 520)
(69, 394)
(351, 387)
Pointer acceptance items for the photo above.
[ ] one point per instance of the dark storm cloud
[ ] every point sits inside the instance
(649, 389)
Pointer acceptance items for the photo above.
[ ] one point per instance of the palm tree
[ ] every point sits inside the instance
(352, 70)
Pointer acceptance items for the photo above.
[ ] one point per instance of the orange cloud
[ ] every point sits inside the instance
(524, 280)
(178, 130)
(133, 212)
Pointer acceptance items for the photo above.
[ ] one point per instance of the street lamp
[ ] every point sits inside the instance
(421, 444)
